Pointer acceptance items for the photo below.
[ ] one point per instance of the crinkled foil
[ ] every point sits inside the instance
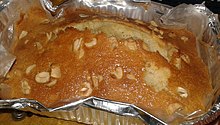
(196, 18)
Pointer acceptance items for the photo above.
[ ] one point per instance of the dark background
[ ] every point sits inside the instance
(213, 5)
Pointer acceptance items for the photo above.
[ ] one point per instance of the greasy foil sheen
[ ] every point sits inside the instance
(196, 18)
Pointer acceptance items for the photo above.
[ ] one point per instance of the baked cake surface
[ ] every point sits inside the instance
(63, 60)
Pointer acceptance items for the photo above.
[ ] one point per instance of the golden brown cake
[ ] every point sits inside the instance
(82, 55)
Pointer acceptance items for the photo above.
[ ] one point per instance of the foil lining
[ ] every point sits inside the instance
(91, 110)
(196, 18)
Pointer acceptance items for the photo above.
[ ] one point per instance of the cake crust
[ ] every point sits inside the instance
(129, 61)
